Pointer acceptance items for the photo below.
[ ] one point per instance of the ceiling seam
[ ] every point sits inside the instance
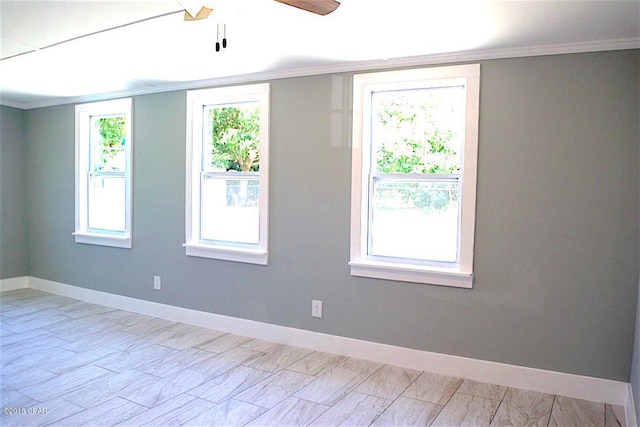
(90, 34)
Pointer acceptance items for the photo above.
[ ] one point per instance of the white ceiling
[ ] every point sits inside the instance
(268, 39)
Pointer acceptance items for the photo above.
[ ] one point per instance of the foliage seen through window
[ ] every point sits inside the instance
(418, 132)
(113, 138)
(235, 134)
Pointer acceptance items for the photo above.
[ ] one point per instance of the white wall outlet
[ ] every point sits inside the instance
(316, 308)
(157, 283)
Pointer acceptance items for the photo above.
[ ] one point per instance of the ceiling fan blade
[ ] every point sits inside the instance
(319, 7)
(202, 14)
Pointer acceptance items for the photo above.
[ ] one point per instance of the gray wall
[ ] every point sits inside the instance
(635, 365)
(556, 256)
(13, 255)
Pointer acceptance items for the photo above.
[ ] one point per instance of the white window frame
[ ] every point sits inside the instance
(459, 274)
(197, 100)
(83, 114)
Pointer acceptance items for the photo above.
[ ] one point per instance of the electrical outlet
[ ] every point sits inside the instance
(157, 283)
(316, 308)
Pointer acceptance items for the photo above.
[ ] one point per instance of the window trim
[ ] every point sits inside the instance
(83, 114)
(227, 251)
(459, 274)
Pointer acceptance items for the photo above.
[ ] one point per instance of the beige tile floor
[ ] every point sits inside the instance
(70, 363)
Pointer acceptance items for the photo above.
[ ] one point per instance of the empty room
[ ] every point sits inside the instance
(319, 212)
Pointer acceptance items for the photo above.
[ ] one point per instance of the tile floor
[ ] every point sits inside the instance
(70, 363)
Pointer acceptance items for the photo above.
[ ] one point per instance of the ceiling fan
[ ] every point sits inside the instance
(319, 7)
(195, 10)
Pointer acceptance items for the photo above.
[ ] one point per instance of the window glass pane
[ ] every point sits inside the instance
(230, 210)
(232, 138)
(414, 219)
(107, 142)
(107, 203)
(418, 131)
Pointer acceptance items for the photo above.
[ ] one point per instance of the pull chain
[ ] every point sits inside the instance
(224, 37)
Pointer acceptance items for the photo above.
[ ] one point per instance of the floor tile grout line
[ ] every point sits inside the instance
(315, 403)
(499, 405)
(395, 399)
(447, 402)
(551, 411)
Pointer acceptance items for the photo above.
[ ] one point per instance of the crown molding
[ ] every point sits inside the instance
(346, 67)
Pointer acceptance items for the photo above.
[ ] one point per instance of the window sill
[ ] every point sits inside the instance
(225, 253)
(114, 241)
(412, 273)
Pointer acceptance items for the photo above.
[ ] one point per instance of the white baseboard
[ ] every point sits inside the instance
(13, 284)
(577, 386)
(630, 408)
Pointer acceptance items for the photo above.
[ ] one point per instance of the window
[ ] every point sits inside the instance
(227, 201)
(415, 138)
(103, 173)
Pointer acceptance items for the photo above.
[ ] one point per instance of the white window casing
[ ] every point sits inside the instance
(85, 219)
(459, 273)
(253, 251)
